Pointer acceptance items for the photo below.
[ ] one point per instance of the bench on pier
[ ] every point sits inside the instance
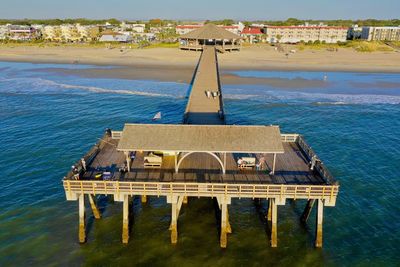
(246, 163)
(152, 161)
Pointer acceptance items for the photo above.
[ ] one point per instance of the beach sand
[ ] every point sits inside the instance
(172, 64)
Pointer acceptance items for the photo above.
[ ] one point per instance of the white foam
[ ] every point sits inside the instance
(40, 82)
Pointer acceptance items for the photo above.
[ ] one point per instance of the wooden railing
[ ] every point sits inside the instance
(326, 192)
(116, 134)
(88, 157)
(319, 165)
(289, 138)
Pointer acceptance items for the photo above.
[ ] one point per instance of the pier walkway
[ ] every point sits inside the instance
(203, 157)
(202, 108)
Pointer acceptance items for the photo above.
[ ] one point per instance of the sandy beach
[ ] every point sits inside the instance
(172, 64)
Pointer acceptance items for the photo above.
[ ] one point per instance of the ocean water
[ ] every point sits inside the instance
(48, 120)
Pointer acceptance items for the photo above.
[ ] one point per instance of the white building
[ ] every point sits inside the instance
(21, 32)
(115, 37)
(4, 32)
(381, 33)
(306, 33)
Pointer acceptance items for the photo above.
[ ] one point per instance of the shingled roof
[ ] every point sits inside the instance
(201, 138)
(210, 31)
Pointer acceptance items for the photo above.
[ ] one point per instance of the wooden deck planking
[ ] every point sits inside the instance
(291, 168)
(201, 109)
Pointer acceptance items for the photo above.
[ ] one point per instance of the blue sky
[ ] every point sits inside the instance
(201, 9)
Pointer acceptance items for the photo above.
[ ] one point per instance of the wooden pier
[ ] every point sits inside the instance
(200, 159)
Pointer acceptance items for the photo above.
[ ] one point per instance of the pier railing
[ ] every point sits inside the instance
(88, 157)
(279, 191)
(116, 134)
(319, 165)
(289, 138)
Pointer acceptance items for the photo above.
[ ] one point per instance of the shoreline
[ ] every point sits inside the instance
(261, 57)
(174, 65)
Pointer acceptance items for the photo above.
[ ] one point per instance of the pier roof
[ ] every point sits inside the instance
(201, 138)
(210, 31)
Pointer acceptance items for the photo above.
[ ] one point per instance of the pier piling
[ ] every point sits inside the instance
(319, 217)
(307, 210)
(96, 212)
(274, 219)
(125, 220)
(82, 228)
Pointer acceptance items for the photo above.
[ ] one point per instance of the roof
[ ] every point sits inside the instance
(201, 138)
(210, 31)
(115, 38)
(251, 31)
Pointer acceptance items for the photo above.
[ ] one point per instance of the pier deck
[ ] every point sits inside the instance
(287, 167)
(200, 108)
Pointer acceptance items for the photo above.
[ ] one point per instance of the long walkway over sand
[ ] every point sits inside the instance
(203, 157)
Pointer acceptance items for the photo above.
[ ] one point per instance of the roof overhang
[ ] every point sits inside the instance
(201, 138)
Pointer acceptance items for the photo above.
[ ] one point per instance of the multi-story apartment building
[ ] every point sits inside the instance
(52, 33)
(70, 33)
(21, 32)
(306, 33)
(381, 33)
(88, 33)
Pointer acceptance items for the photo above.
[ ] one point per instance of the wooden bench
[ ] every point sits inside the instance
(248, 163)
(152, 161)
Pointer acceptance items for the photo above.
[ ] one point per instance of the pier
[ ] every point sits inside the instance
(203, 157)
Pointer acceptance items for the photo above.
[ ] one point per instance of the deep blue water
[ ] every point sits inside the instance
(48, 120)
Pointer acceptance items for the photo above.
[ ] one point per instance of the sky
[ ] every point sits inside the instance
(201, 9)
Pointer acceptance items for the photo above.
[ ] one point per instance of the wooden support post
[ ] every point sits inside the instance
(224, 161)
(185, 200)
(320, 213)
(273, 164)
(174, 223)
(176, 203)
(228, 224)
(224, 219)
(125, 220)
(274, 217)
(82, 228)
(96, 212)
(176, 161)
(307, 210)
(144, 198)
(269, 213)
(128, 161)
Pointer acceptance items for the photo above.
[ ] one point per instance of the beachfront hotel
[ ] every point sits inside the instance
(306, 33)
(381, 33)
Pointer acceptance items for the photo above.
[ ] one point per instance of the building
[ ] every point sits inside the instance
(381, 33)
(306, 33)
(355, 32)
(115, 37)
(210, 34)
(253, 35)
(21, 32)
(52, 33)
(4, 32)
(88, 33)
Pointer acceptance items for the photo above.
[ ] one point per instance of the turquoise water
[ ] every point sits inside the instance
(48, 120)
